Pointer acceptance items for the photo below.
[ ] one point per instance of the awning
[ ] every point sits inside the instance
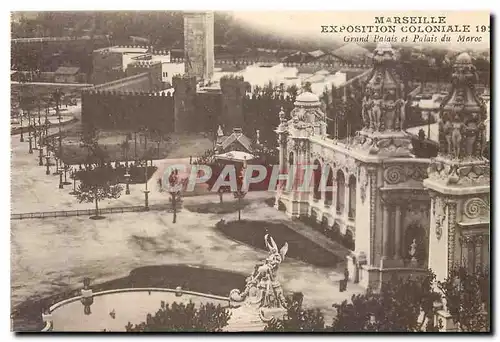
(235, 156)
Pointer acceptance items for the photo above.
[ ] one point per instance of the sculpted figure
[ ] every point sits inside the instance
(447, 131)
(365, 112)
(262, 283)
(456, 136)
(390, 111)
(402, 112)
(376, 111)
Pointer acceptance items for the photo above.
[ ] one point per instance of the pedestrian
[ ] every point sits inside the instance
(159, 184)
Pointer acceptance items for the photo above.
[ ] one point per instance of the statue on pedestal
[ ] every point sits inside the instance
(262, 288)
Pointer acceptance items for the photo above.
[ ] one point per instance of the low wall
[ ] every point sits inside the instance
(49, 323)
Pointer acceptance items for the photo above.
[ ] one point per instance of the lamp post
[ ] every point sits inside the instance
(22, 129)
(29, 124)
(56, 172)
(40, 156)
(60, 172)
(73, 176)
(47, 159)
(34, 136)
(127, 182)
(146, 191)
(30, 138)
(66, 169)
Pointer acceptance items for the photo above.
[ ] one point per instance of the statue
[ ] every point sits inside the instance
(376, 112)
(365, 109)
(262, 288)
(456, 136)
(413, 250)
(390, 106)
(402, 112)
(447, 129)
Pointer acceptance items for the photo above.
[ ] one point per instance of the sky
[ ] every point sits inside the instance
(302, 23)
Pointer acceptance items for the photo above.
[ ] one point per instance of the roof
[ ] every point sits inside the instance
(351, 51)
(235, 155)
(67, 70)
(316, 53)
(237, 136)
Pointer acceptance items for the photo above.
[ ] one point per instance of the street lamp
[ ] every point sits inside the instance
(66, 169)
(22, 129)
(146, 191)
(30, 138)
(127, 182)
(56, 172)
(73, 176)
(40, 156)
(47, 159)
(60, 172)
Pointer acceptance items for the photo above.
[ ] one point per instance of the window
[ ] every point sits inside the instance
(340, 191)
(352, 197)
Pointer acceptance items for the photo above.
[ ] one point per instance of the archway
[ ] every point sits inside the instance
(340, 191)
(281, 206)
(317, 180)
(349, 240)
(329, 185)
(416, 235)
(352, 197)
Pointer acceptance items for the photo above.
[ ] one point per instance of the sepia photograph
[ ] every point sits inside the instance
(250, 171)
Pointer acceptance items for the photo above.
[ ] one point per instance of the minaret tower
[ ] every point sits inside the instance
(459, 178)
(383, 108)
(199, 44)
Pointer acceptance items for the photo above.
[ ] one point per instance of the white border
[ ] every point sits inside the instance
(322, 5)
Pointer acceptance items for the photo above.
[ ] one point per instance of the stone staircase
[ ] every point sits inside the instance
(245, 318)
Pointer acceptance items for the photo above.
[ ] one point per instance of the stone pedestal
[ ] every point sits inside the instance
(444, 317)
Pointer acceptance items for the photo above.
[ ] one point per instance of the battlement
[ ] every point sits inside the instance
(134, 46)
(339, 66)
(144, 64)
(127, 93)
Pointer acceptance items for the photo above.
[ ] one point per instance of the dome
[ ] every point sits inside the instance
(307, 99)
(463, 58)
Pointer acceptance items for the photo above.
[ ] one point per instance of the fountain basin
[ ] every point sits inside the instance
(112, 310)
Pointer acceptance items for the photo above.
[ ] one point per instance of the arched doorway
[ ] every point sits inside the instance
(281, 206)
(329, 185)
(416, 243)
(349, 240)
(317, 180)
(352, 197)
(340, 192)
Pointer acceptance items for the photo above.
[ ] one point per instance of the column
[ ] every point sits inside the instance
(397, 233)
(385, 230)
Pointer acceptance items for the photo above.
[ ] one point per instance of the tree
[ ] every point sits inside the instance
(89, 139)
(175, 186)
(97, 185)
(183, 318)
(467, 296)
(297, 319)
(403, 305)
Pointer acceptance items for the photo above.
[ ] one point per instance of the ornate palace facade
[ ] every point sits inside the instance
(403, 213)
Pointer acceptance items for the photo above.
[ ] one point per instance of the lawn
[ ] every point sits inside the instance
(252, 233)
(217, 208)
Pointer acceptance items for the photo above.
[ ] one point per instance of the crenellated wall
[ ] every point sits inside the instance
(128, 110)
(184, 101)
(233, 93)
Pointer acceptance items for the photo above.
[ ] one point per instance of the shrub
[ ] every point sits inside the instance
(184, 318)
